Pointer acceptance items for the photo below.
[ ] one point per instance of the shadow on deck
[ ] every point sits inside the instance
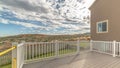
(85, 59)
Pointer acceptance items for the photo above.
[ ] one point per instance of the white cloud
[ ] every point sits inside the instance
(4, 21)
(46, 13)
(28, 9)
(25, 24)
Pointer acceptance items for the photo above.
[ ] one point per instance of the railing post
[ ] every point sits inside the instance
(78, 46)
(14, 56)
(91, 45)
(24, 53)
(23, 49)
(114, 42)
(56, 48)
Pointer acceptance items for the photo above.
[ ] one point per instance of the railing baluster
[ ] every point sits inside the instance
(53, 49)
(108, 47)
(46, 50)
(32, 51)
(105, 46)
(39, 50)
(63, 47)
(97, 46)
(111, 47)
(59, 48)
(28, 55)
(66, 47)
(42, 50)
(35, 51)
(119, 49)
(50, 49)
(26, 51)
(68, 44)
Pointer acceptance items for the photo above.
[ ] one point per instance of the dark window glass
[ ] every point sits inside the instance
(102, 26)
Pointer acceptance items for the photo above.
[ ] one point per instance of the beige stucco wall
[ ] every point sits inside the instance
(106, 10)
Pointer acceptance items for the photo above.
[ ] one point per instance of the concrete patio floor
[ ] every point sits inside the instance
(85, 59)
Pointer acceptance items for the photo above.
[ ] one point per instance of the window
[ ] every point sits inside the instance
(102, 26)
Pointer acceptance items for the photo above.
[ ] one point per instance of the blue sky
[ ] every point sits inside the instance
(44, 17)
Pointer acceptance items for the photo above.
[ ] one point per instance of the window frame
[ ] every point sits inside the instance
(106, 27)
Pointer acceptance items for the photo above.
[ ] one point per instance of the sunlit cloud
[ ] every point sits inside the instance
(44, 16)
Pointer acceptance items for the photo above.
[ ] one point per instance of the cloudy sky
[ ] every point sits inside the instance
(44, 16)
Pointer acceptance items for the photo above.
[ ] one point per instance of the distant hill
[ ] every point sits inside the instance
(40, 37)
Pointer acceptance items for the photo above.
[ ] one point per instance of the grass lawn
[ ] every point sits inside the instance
(67, 51)
(84, 44)
(49, 54)
(6, 66)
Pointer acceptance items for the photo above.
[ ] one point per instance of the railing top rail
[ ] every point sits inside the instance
(46, 42)
(20, 44)
(37, 42)
(85, 41)
(102, 41)
(117, 42)
(8, 50)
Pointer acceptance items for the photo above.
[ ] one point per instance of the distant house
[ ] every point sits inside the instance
(105, 20)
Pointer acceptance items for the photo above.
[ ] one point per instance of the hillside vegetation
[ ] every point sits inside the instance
(41, 37)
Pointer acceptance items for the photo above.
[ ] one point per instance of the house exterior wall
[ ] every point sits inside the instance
(106, 10)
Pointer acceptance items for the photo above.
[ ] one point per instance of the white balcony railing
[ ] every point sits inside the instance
(27, 52)
(107, 47)
(5, 59)
(44, 50)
